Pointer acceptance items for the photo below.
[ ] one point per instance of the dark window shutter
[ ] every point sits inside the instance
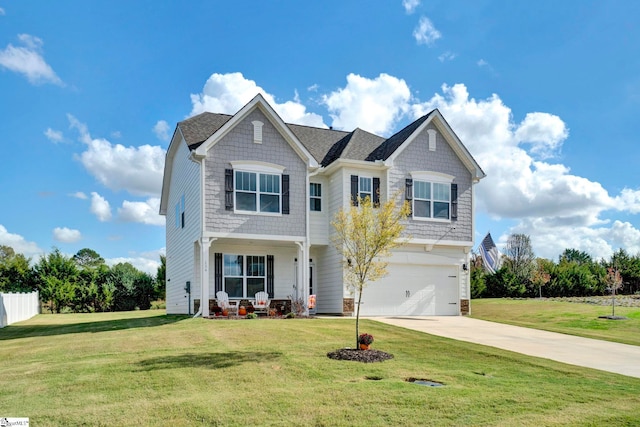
(408, 193)
(228, 189)
(354, 190)
(270, 275)
(376, 192)
(454, 201)
(218, 271)
(285, 194)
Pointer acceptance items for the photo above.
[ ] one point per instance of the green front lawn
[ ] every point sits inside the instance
(564, 317)
(144, 368)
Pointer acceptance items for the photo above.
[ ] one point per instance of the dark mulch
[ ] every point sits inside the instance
(365, 356)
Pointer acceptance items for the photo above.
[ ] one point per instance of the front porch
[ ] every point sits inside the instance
(277, 307)
(243, 267)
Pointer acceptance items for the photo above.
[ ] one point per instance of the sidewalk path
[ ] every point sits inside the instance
(603, 355)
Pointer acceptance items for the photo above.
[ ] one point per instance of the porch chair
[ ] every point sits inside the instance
(262, 302)
(223, 301)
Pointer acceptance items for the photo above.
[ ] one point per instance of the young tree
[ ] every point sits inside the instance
(541, 275)
(364, 236)
(614, 282)
(521, 260)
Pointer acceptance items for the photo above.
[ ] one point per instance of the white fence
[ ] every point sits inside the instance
(18, 307)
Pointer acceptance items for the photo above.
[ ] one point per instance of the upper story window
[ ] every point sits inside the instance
(257, 192)
(432, 196)
(365, 188)
(256, 187)
(431, 200)
(315, 197)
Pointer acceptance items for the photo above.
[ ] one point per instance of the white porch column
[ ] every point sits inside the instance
(205, 244)
(302, 290)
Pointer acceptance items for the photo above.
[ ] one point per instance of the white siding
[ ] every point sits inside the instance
(330, 289)
(185, 180)
(283, 264)
(319, 221)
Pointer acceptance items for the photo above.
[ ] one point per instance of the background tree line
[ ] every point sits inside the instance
(522, 274)
(81, 283)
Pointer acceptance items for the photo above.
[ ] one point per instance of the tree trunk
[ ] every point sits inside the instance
(358, 316)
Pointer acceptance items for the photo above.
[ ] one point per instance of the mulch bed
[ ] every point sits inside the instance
(364, 356)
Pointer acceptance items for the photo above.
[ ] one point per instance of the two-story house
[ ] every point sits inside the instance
(249, 201)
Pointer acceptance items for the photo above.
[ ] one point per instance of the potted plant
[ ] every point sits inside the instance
(225, 308)
(365, 340)
(217, 311)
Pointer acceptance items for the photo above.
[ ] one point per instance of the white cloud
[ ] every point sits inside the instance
(425, 32)
(482, 63)
(66, 235)
(545, 132)
(628, 200)
(18, 243)
(27, 59)
(79, 195)
(447, 56)
(227, 93)
(2, 13)
(161, 129)
(410, 5)
(557, 209)
(374, 105)
(100, 207)
(54, 136)
(138, 170)
(142, 212)
(147, 262)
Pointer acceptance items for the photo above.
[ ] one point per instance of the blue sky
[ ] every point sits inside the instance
(544, 94)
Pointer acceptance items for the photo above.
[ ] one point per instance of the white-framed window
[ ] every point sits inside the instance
(244, 275)
(315, 196)
(257, 192)
(365, 187)
(431, 198)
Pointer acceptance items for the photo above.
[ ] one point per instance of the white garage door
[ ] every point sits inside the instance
(413, 290)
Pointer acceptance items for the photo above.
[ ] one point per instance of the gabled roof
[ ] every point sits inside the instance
(198, 128)
(258, 103)
(325, 145)
(391, 144)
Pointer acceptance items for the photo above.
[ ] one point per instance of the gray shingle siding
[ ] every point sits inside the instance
(417, 157)
(238, 145)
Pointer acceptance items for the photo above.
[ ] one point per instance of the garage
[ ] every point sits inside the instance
(413, 290)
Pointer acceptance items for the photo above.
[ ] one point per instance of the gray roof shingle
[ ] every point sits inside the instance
(391, 144)
(325, 145)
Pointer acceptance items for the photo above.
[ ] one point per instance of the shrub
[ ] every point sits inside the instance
(252, 316)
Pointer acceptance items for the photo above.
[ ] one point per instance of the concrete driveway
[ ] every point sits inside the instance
(603, 355)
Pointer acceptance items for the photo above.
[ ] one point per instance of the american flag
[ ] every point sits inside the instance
(490, 254)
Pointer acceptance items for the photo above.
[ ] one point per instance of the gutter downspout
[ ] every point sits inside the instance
(307, 244)
(203, 269)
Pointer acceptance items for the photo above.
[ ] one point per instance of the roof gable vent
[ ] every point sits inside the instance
(432, 139)
(257, 131)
